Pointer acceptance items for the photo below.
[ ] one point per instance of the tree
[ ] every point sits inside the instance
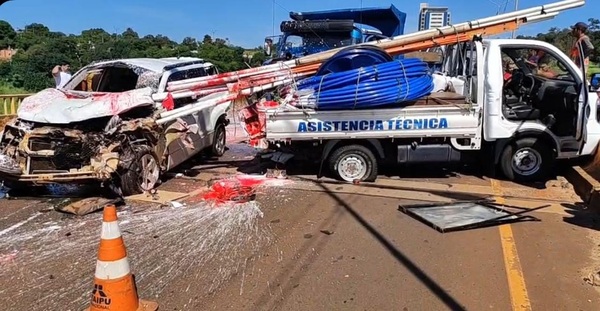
(7, 35)
(129, 34)
(190, 43)
(563, 40)
(40, 49)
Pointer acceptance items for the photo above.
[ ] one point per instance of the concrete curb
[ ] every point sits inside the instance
(585, 186)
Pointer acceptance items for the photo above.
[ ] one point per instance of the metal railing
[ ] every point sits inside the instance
(10, 103)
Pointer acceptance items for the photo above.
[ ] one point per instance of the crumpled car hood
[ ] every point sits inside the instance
(53, 106)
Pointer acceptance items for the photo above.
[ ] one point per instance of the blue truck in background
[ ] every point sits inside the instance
(313, 32)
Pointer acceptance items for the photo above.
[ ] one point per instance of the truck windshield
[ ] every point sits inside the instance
(315, 40)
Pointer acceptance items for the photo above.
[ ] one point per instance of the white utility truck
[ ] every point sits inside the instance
(521, 119)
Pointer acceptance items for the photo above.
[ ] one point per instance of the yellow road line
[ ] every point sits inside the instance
(516, 281)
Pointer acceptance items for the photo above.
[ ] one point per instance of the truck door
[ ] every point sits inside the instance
(583, 110)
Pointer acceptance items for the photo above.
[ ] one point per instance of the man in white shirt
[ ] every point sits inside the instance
(61, 75)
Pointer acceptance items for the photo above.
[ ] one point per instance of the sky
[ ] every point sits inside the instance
(244, 22)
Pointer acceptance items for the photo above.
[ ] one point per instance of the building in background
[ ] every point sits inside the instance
(433, 17)
(7, 54)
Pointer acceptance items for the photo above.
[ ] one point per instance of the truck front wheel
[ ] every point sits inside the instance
(354, 162)
(527, 159)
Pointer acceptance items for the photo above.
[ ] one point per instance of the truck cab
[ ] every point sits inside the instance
(548, 99)
(301, 38)
(313, 32)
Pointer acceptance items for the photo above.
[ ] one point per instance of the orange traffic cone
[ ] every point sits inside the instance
(114, 286)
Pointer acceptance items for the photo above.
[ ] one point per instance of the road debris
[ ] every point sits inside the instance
(160, 196)
(593, 279)
(85, 206)
(176, 204)
(326, 232)
(446, 217)
(240, 188)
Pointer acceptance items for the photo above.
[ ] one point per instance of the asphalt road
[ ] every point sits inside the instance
(313, 245)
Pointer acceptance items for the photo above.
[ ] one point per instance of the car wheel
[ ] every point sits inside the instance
(219, 141)
(527, 159)
(354, 162)
(142, 173)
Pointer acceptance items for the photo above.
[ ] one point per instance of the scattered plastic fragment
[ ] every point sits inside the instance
(176, 204)
(240, 188)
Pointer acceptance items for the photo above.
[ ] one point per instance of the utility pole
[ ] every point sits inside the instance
(516, 9)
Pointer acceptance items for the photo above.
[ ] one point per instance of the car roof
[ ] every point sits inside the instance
(154, 64)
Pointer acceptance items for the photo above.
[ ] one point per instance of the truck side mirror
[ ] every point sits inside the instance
(595, 82)
(267, 46)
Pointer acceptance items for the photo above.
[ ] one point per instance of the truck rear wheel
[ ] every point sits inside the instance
(354, 162)
(527, 159)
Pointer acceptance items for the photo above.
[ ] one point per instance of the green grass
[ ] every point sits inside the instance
(6, 89)
(594, 68)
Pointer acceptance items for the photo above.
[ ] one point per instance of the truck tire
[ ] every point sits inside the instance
(354, 162)
(219, 141)
(142, 172)
(526, 160)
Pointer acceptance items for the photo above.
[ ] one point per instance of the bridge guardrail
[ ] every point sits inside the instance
(10, 103)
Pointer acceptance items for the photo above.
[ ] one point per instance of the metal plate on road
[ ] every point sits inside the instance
(455, 216)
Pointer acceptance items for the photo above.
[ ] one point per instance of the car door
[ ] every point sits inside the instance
(189, 134)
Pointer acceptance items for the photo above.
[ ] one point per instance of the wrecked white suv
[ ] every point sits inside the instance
(104, 126)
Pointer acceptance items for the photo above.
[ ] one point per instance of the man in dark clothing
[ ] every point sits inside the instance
(579, 32)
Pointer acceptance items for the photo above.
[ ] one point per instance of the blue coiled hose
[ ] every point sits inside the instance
(376, 86)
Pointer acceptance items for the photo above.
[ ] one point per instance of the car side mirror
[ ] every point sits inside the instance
(595, 82)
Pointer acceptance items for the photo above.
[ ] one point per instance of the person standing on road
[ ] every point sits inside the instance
(579, 32)
(61, 74)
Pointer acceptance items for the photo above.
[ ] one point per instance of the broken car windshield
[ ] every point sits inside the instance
(113, 78)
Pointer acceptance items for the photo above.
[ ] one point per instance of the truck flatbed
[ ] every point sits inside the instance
(442, 99)
(441, 114)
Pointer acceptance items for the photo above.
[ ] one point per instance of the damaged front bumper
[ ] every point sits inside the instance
(9, 166)
(54, 155)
